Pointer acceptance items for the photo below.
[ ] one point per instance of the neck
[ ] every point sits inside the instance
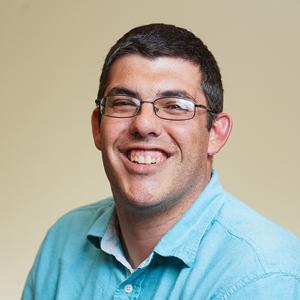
(139, 235)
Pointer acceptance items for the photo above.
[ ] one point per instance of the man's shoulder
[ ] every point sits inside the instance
(75, 224)
(275, 248)
(65, 244)
(256, 256)
(86, 213)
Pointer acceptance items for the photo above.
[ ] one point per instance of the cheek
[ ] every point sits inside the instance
(190, 139)
(111, 130)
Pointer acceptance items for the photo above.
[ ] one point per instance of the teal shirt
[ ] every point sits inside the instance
(219, 249)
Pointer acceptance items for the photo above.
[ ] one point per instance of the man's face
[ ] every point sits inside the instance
(178, 148)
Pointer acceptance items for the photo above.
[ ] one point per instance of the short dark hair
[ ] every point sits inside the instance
(156, 40)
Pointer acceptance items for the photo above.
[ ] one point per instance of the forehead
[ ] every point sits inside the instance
(151, 76)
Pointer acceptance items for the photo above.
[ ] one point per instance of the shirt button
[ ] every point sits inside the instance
(128, 288)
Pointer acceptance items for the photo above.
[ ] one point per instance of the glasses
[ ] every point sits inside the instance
(167, 108)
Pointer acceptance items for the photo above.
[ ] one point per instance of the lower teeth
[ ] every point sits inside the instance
(144, 163)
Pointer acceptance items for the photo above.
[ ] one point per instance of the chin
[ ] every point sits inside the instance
(145, 203)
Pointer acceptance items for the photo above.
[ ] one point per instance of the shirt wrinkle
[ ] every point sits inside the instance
(251, 279)
(245, 240)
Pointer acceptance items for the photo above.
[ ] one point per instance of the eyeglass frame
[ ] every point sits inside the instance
(99, 103)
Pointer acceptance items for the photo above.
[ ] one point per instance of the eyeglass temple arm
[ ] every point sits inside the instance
(206, 108)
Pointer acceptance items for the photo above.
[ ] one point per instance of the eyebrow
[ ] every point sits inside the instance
(123, 91)
(168, 93)
(176, 93)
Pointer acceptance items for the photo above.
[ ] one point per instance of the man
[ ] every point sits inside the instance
(170, 231)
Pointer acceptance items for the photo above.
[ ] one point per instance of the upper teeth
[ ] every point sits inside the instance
(144, 159)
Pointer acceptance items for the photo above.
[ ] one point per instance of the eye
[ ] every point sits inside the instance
(119, 102)
(176, 105)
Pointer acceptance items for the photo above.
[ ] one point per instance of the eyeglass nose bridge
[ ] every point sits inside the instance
(155, 109)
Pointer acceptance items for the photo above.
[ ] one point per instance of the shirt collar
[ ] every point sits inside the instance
(182, 240)
(100, 226)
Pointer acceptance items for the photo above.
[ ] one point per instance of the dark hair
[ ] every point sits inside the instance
(155, 40)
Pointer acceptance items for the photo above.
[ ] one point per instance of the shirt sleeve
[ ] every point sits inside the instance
(275, 286)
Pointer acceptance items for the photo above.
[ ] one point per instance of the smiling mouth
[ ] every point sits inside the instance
(146, 157)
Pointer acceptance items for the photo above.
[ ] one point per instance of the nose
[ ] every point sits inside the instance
(146, 123)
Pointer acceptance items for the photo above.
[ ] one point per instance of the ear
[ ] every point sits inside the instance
(219, 133)
(96, 128)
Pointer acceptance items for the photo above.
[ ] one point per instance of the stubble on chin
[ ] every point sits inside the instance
(144, 204)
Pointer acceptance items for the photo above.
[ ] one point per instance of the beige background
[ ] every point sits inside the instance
(50, 59)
